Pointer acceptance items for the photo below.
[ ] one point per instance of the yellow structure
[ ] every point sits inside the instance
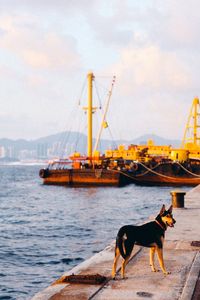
(180, 155)
(190, 147)
(154, 150)
(191, 138)
(121, 152)
(139, 152)
(90, 109)
(90, 78)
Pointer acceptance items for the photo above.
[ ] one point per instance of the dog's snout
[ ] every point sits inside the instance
(174, 221)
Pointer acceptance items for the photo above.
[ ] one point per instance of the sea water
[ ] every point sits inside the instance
(47, 230)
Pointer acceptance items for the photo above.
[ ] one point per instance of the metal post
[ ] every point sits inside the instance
(90, 77)
(177, 199)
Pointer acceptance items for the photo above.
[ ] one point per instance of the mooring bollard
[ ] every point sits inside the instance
(177, 199)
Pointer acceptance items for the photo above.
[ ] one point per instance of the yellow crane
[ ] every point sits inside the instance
(191, 138)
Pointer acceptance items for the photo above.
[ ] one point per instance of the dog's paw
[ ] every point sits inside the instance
(155, 270)
(113, 276)
(167, 273)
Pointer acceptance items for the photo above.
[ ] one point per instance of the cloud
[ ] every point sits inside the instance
(38, 48)
(178, 25)
(151, 46)
(154, 90)
(51, 53)
(169, 24)
(151, 69)
(46, 7)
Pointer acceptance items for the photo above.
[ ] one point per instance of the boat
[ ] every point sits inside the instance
(152, 164)
(170, 173)
(147, 164)
(90, 170)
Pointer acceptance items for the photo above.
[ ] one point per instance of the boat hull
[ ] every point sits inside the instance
(83, 177)
(169, 174)
(162, 174)
(160, 181)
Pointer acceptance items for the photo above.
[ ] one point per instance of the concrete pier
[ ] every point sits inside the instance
(181, 256)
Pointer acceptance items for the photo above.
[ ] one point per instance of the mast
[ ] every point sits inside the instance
(90, 78)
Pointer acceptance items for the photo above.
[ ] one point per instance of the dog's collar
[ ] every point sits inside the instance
(160, 225)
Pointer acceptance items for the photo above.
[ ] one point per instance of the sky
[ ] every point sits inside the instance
(47, 47)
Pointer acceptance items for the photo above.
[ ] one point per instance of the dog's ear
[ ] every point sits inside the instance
(162, 209)
(170, 209)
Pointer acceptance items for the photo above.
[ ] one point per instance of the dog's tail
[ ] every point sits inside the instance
(120, 242)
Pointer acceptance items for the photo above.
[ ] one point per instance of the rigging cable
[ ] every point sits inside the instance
(104, 114)
(73, 116)
(97, 93)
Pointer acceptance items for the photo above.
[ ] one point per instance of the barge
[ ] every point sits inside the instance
(147, 164)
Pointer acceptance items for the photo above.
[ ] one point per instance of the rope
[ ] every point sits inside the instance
(160, 174)
(112, 138)
(97, 93)
(82, 91)
(125, 174)
(154, 172)
(188, 170)
(150, 170)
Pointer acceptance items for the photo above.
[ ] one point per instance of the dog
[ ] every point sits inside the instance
(150, 235)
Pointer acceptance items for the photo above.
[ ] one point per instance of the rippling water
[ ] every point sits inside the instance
(46, 230)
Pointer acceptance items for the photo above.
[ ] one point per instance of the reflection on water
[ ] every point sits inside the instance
(46, 230)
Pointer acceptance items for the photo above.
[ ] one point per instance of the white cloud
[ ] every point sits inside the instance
(151, 46)
(153, 93)
(38, 49)
(180, 27)
(152, 69)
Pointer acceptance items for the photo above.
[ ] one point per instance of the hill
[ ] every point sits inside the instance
(66, 143)
(80, 140)
(157, 140)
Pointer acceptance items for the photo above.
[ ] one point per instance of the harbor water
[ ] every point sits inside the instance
(47, 230)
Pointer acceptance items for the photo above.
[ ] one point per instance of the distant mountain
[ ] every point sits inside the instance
(78, 141)
(62, 137)
(157, 140)
(22, 144)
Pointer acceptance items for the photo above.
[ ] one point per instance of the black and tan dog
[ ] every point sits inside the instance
(150, 235)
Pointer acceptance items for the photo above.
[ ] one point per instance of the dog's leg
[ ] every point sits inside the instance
(128, 245)
(161, 261)
(152, 255)
(117, 255)
(124, 263)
